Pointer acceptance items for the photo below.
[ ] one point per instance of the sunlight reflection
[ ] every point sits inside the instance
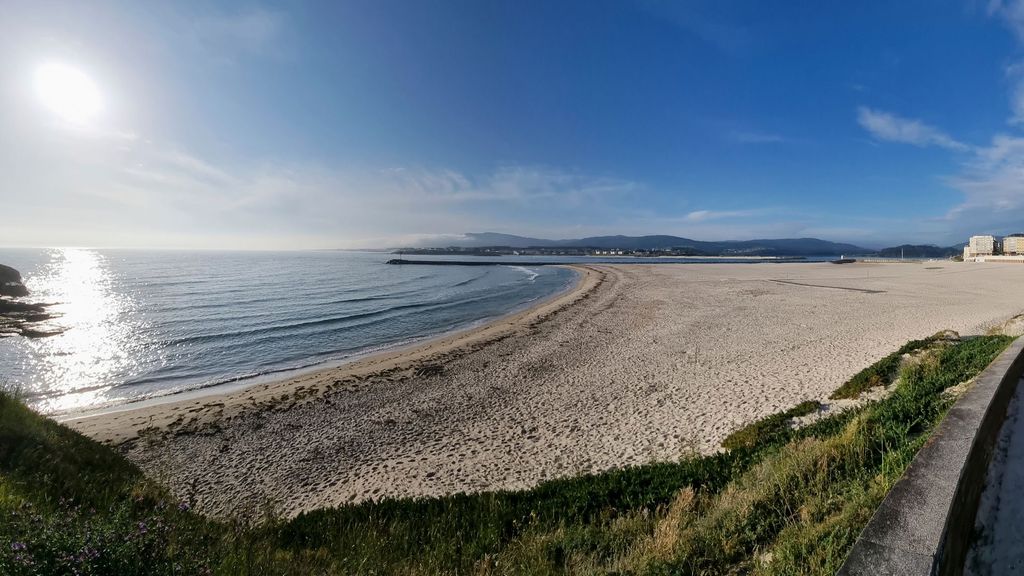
(95, 351)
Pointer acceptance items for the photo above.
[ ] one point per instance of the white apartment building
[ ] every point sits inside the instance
(983, 245)
(1013, 245)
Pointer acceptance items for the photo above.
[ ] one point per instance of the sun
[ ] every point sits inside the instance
(68, 92)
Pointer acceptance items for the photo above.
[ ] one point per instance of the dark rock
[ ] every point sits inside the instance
(39, 330)
(10, 282)
(16, 290)
(8, 274)
(12, 307)
(17, 318)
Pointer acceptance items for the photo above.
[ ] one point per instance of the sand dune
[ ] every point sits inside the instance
(640, 363)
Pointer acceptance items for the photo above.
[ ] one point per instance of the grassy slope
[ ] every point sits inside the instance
(70, 505)
(779, 502)
(880, 373)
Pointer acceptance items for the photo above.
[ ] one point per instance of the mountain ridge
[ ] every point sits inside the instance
(758, 247)
(921, 251)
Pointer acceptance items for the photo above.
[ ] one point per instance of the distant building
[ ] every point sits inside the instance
(1013, 244)
(983, 246)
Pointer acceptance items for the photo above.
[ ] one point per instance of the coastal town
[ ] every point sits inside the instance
(988, 248)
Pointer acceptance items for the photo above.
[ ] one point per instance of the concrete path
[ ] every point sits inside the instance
(999, 548)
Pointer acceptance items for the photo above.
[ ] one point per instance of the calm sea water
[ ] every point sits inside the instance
(148, 323)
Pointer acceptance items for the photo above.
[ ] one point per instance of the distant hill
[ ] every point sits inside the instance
(484, 239)
(767, 247)
(921, 251)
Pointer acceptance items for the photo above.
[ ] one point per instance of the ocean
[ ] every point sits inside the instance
(142, 324)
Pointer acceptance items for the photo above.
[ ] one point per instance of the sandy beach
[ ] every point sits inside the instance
(637, 363)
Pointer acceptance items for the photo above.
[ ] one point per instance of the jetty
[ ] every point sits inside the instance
(477, 262)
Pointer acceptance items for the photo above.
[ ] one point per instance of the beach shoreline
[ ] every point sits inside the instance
(638, 363)
(99, 423)
(451, 338)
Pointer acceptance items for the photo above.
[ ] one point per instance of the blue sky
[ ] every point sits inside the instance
(347, 124)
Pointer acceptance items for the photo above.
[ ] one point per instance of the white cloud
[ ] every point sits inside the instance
(893, 128)
(103, 188)
(991, 178)
(113, 189)
(993, 186)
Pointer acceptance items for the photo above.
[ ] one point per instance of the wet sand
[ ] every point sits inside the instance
(638, 363)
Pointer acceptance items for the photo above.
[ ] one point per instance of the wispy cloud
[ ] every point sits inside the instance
(991, 177)
(757, 137)
(705, 21)
(709, 215)
(253, 31)
(1015, 76)
(135, 188)
(893, 128)
(992, 182)
(1012, 13)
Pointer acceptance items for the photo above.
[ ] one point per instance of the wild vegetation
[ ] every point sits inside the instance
(770, 429)
(780, 501)
(883, 372)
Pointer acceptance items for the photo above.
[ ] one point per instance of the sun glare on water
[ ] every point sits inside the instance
(68, 93)
(97, 350)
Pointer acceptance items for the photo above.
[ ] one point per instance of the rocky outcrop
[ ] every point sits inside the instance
(1012, 327)
(25, 319)
(18, 318)
(10, 282)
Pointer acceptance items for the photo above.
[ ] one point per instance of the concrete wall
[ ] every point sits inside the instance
(923, 527)
(999, 259)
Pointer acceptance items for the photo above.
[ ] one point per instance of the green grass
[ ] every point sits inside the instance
(772, 429)
(880, 373)
(781, 501)
(69, 505)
